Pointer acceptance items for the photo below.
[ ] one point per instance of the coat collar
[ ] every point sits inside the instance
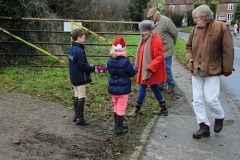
(208, 22)
(77, 44)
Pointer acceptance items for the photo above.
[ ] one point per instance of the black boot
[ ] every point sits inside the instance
(119, 125)
(163, 110)
(135, 110)
(115, 121)
(203, 131)
(75, 104)
(80, 117)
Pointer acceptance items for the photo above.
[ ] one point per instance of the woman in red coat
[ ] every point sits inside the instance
(151, 67)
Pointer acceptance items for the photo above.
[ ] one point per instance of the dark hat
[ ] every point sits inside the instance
(147, 24)
(151, 12)
(119, 44)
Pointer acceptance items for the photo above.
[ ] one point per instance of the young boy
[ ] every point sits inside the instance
(79, 74)
(120, 70)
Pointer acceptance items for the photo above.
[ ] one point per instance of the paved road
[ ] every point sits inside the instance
(170, 138)
(231, 84)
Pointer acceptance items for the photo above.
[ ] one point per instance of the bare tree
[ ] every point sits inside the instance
(112, 10)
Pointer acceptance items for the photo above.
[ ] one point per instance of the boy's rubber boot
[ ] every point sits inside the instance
(115, 117)
(135, 110)
(163, 109)
(80, 116)
(119, 126)
(75, 104)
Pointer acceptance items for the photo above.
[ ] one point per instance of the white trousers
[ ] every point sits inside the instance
(206, 92)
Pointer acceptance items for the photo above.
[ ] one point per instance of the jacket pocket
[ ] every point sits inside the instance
(215, 47)
(214, 68)
(86, 76)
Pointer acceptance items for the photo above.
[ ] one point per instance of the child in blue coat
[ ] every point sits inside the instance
(120, 70)
(79, 74)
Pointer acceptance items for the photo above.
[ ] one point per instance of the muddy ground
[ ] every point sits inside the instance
(33, 129)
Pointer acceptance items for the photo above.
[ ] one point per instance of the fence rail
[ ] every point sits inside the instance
(4, 54)
(62, 43)
(67, 32)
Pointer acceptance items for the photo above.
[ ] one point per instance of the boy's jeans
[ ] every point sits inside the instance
(170, 80)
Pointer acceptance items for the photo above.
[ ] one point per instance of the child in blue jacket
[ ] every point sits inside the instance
(120, 70)
(79, 74)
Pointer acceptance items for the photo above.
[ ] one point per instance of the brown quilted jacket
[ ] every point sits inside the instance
(211, 49)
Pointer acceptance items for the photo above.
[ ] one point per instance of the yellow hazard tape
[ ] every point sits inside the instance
(95, 34)
(30, 44)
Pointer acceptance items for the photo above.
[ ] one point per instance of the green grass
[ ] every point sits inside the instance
(187, 29)
(180, 49)
(134, 39)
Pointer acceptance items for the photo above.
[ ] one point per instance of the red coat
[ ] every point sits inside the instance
(157, 66)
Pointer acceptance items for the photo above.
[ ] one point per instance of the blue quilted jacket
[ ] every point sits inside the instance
(120, 70)
(78, 65)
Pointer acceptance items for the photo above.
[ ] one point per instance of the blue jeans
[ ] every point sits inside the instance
(142, 93)
(170, 80)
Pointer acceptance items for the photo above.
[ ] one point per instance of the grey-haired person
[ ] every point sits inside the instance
(209, 52)
(167, 30)
(151, 67)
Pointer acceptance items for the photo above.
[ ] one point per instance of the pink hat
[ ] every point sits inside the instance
(119, 44)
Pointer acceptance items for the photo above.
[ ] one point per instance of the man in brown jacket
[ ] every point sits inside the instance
(209, 52)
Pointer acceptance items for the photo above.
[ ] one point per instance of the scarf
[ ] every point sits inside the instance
(121, 53)
(147, 58)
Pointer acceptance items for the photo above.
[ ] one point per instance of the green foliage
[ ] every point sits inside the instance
(11, 9)
(189, 18)
(236, 14)
(198, 3)
(213, 7)
(177, 19)
(16, 10)
(29, 9)
(137, 10)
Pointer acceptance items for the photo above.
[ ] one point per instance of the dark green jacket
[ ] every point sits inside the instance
(167, 30)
